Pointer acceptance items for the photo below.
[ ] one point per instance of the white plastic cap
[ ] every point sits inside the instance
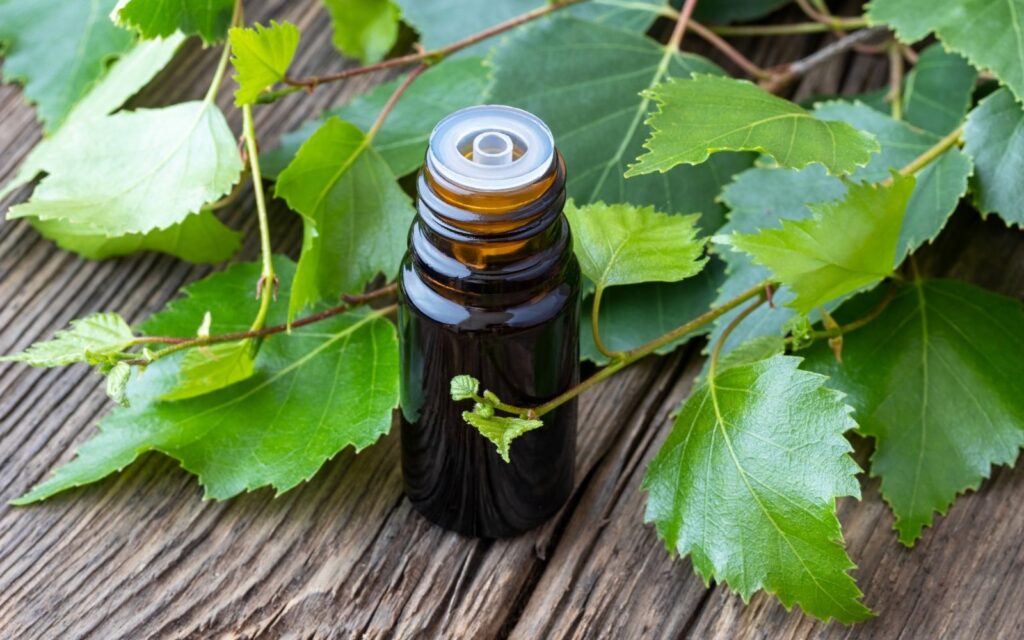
(491, 148)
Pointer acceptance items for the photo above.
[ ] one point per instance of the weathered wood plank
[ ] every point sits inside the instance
(611, 576)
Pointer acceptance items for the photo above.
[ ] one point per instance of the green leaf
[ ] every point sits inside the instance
(136, 171)
(364, 29)
(499, 429)
(990, 34)
(760, 198)
(92, 339)
(935, 379)
(940, 185)
(355, 216)
(209, 19)
(200, 238)
(938, 191)
(214, 367)
(402, 139)
(848, 246)
(753, 350)
(723, 490)
(710, 114)
(442, 22)
(583, 80)
(937, 92)
(621, 244)
(316, 391)
(117, 382)
(994, 137)
(126, 77)
(635, 314)
(58, 49)
(735, 10)
(261, 57)
(765, 320)
(464, 387)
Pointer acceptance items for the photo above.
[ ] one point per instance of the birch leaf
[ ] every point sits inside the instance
(722, 488)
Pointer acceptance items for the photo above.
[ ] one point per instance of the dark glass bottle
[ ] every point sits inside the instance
(490, 288)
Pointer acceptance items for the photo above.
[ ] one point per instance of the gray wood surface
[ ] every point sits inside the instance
(141, 555)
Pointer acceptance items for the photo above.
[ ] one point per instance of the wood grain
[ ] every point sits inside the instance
(141, 555)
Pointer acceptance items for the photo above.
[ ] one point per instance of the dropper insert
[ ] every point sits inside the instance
(492, 148)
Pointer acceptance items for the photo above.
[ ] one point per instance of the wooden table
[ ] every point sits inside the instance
(141, 555)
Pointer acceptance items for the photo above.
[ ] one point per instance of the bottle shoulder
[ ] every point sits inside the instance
(427, 302)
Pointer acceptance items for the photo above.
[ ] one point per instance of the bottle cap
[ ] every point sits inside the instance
(491, 148)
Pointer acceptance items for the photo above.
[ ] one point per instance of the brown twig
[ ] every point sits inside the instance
(676, 39)
(728, 51)
(178, 344)
(435, 55)
(798, 68)
(825, 17)
(812, 13)
(909, 54)
(721, 44)
(393, 100)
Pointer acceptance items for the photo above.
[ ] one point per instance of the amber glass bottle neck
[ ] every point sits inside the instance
(496, 209)
(490, 248)
(488, 214)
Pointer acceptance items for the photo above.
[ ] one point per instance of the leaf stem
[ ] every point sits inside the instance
(222, 64)
(595, 308)
(434, 55)
(895, 96)
(729, 328)
(218, 75)
(178, 344)
(268, 281)
(791, 29)
(929, 155)
(629, 357)
(855, 324)
(498, 404)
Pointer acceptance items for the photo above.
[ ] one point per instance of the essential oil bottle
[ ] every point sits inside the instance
(490, 287)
